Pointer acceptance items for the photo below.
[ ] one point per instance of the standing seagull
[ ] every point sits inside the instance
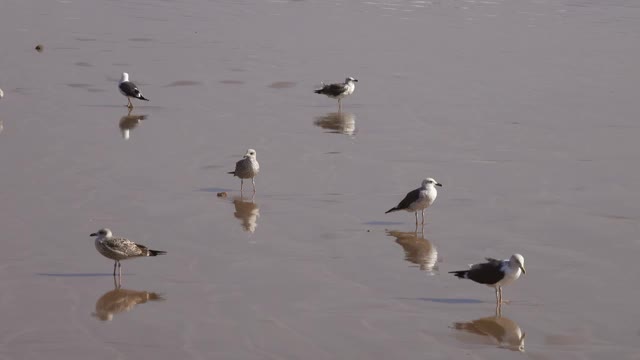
(495, 273)
(129, 89)
(120, 248)
(247, 168)
(338, 90)
(419, 199)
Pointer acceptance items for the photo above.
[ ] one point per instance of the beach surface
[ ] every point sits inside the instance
(526, 111)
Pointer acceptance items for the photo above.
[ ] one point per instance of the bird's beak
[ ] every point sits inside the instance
(522, 268)
(356, 80)
(94, 234)
(438, 184)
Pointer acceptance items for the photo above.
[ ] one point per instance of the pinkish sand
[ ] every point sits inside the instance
(527, 111)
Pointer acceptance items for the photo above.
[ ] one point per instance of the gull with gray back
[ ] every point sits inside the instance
(338, 90)
(247, 168)
(419, 199)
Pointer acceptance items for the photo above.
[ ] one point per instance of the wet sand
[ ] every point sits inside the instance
(526, 111)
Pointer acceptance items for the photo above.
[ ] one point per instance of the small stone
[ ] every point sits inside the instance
(222, 194)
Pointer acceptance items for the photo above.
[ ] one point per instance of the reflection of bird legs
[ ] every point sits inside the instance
(117, 282)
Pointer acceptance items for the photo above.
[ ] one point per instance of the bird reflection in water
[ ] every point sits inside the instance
(504, 332)
(248, 212)
(338, 123)
(120, 300)
(129, 122)
(417, 249)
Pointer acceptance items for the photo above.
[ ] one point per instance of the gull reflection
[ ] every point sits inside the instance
(338, 122)
(417, 249)
(248, 212)
(1, 126)
(503, 331)
(120, 300)
(129, 122)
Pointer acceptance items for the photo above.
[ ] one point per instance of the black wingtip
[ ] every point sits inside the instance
(319, 91)
(231, 172)
(143, 98)
(390, 210)
(462, 274)
(157, 252)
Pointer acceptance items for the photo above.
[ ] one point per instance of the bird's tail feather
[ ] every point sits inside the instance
(231, 172)
(391, 210)
(156, 252)
(318, 91)
(156, 297)
(462, 274)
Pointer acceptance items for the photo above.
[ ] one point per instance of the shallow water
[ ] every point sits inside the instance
(524, 110)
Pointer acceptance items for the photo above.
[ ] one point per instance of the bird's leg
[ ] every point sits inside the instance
(416, 218)
(119, 269)
(422, 216)
(115, 264)
(498, 310)
(253, 181)
(241, 182)
(129, 105)
(339, 105)
(497, 295)
(503, 301)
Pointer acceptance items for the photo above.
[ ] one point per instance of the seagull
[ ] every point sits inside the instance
(247, 168)
(120, 248)
(495, 273)
(129, 89)
(338, 90)
(1, 94)
(419, 199)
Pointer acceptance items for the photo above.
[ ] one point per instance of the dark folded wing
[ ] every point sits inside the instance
(411, 197)
(130, 89)
(486, 273)
(334, 89)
